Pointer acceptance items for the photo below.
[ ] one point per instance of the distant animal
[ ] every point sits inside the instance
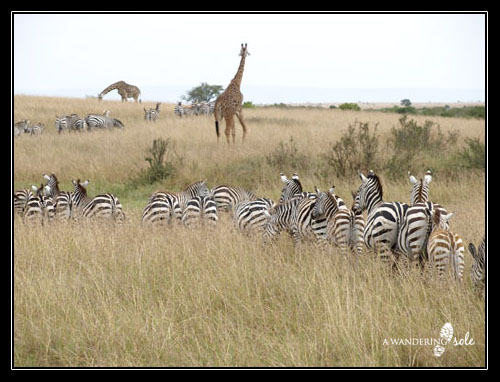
(152, 114)
(230, 102)
(124, 90)
(100, 121)
(179, 110)
(478, 271)
(20, 127)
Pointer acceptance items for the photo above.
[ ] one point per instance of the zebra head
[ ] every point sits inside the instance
(369, 193)
(420, 190)
(327, 203)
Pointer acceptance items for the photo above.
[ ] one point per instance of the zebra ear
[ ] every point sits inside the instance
(45, 176)
(85, 184)
(472, 250)
(363, 178)
(332, 190)
(34, 188)
(428, 176)
(317, 190)
(413, 180)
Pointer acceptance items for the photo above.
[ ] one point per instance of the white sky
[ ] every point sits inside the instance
(74, 51)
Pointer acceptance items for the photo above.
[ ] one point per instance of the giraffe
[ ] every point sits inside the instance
(124, 90)
(230, 102)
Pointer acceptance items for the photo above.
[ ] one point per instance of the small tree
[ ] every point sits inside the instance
(203, 93)
(405, 102)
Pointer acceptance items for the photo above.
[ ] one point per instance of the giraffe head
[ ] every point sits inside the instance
(244, 52)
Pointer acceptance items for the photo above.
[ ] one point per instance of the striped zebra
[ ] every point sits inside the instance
(159, 210)
(445, 248)
(384, 219)
(178, 200)
(20, 127)
(21, 198)
(200, 209)
(291, 187)
(100, 206)
(38, 209)
(344, 226)
(420, 190)
(35, 129)
(250, 215)
(100, 121)
(179, 110)
(63, 200)
(152, 114)
(227, 197)
(478, 271)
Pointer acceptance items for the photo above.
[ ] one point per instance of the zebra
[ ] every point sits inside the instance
(179, 110)
(445, 248)
(159, 210)
(178, 200)
(152, 114)
(420, 190)
(204, 108)
(100, 206)
(384, 219)
(100, 121)
(478, 271)
(228, 197)
(199, 209)
(291, 187)
(250, 215)
(21, 197)
(38, 208)
(67, 123)
(63, 200)
(35, 129)
(344, 226)
(21, 127)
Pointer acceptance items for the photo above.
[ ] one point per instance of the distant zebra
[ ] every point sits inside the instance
(20, 127)
(159, 210)
(384, 219)
(250, 215)
(179, 110)
(100, 121)
(445, 248)
(228, 197)
(100, 206)
(178, 200)
(200, 210)
(291, 187)
(35, 129)
(344, 227)
(152, 114)
(63, 200)
(420, 189)
(478, 271)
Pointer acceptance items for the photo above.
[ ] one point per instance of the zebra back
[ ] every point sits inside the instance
(478, 270)
(228, 197)
(250, 215)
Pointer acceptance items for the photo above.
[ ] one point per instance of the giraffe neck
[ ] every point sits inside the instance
(116, 85)
(236, 82)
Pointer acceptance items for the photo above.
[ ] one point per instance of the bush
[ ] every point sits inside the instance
(160, 162)
(474, 155)
(287, 157)
(357, 149)
(349, 106)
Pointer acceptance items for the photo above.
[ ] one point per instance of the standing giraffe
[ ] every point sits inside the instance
(230, 102)
(124, 90)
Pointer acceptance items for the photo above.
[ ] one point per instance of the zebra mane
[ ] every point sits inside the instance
(377, 182)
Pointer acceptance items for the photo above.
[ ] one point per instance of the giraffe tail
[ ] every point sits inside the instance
(217, 128)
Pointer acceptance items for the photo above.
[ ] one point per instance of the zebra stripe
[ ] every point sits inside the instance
(100, 206)
(345, 230)
(384, 219)
(152, 114)
(291, 187)
(100, 121)
(63, 201)
(227, 197)
(420, 190)
(159, 210)
(38, 209)
(21, 198)
(250, 215)
(200, 209)
(445, 248)
(478, 271)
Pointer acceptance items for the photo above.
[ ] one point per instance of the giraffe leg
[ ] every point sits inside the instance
(243, 125)
(229, 128)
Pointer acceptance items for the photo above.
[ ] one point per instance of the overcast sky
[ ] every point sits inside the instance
(54, 53)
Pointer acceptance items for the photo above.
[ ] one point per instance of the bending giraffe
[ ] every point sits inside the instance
(124, 90)
(230, 102)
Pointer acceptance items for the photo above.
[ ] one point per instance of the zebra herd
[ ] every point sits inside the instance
(25, 127)
(200, 108)
(90, 122)
(416, 232)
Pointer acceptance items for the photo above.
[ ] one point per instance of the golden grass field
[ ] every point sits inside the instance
(131, 296)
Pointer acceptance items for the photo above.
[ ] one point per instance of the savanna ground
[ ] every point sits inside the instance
(124, 296)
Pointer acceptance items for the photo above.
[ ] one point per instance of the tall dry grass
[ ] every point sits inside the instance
(100, 295)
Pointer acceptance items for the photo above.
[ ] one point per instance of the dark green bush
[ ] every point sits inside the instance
(349, 106)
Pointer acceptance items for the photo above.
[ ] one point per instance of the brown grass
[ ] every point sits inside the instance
(131, 296)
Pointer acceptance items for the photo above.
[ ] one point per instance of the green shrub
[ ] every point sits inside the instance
(473, 155)
(349, 106)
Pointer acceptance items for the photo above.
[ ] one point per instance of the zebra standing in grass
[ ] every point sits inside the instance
(291, 187)
(159, 210)
(38, 209)
(35, 129)
(478, 271)
(200, 209)
(152, 114)
(100, 206)
(420, 190)
(344, 226)
(228, 197)
(445, 248)
(63, 200)
(178, 200)
(101, 121)
(179, 110)
(250, 215)
(384, 219)
(21, 127)
(21, 198)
